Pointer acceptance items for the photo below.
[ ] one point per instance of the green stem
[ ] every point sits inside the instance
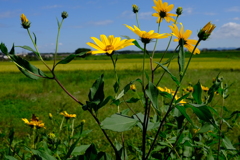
(171, 103)
(56, 48)
(155, 45)
(137, 20)
(220, 132)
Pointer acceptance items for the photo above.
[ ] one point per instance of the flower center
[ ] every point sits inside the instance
(182, 41)
(109, 47)
(162, 14)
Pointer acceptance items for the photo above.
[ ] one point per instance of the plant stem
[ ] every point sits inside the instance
(220, 132)
(137, 20)
(56, 48)
(171, 103)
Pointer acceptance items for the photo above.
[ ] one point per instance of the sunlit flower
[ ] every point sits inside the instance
(34, 122)
(109, 44)
(182, 37)
(205, 89)
(51, 135)
(66, 115)
(165, 89)
(25, 22)
(146, 37)
(206, 31)
(182, 101)
(133, 87)
(135, 8)
(162, 10)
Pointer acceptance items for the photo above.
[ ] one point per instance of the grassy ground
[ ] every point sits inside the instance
(20, 97)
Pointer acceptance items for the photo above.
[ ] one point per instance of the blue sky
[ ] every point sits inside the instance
(91, 18)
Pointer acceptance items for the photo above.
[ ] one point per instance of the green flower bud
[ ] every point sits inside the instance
(135, 8)
(179, 11)
(25, 22)
(64, 15)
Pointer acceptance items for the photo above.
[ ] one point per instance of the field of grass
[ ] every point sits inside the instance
(21, 97)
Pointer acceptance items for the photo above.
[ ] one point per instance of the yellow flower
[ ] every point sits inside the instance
(162, 10)
(34, 122)
(51, 135)
(66, 115)
(147, 36)
(25, 21)
(165, 89)
(109, 44)
(206, 31)
(205, 89)
(182, 37)
(135, 8)
(133, 87)
(182, 101)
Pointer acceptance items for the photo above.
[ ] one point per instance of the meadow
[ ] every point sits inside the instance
(21, 97)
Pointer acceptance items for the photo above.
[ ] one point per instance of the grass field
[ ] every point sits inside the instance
(20, 97)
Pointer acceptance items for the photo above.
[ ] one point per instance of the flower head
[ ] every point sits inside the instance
(179, 11)
(206, 31)
(34, 122)
(182, 37)
(146, 37)
(64, 15)
(135, 8)
(109, 44)
(67, 116)
(162, 10)
(25, 22)
(205, 89)
(133, 87)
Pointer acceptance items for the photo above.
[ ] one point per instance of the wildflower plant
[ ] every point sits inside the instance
(174, 123)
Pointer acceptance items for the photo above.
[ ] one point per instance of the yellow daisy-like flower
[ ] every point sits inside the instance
(206, 31)
(109, 44)
(34, 122)
(146, 37)
(66, 115)
(23, 18)
(205, 89)
(133, 87)
(182, 37)
(162, 10)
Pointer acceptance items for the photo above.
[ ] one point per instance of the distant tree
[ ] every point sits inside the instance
(79, 50)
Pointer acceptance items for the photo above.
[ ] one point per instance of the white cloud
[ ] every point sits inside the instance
(100, 23)
(187, 10)
(228, 30)
(236, 18)
(233, 9)
(7, 14)
(53, 6)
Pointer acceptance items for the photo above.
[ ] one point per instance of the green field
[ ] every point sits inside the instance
(21, 97)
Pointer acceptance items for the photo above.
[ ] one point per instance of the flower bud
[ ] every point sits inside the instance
(135, 8)
(25, 22)
(64, 15)
(206, 31)
(179, 11)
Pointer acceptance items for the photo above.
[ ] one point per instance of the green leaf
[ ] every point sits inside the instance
(80, 150)
(71, 149)
(43, 155)
(197, 93)
(4, 48)
(96, 92)
(182, 110)
(152, 93)
(24, 66)
(35, 38)
(216, 85)
(30, 49)
(10, 158)
(206, 128)
(132, 100)
(118, 123)
(228, 143)
(150, 126)
(181, 60)
(71, 57)
(172, 76)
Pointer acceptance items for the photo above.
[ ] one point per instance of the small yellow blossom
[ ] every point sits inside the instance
(108, 44)
(182, 101)
(34, 122)
(133, 87)
(205, 89)
(83, 121)
(51, 135)
(162, 10)
(206, 31)
(195, 130)
(25, 21)
(182, 38)
(146, 37)
(66, 115)
(135, 8)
